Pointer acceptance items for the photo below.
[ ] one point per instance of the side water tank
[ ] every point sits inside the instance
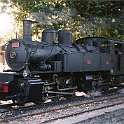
(49, 36)
(65, 37)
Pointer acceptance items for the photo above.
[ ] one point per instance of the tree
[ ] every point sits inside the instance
(83, 17)
(105, 18)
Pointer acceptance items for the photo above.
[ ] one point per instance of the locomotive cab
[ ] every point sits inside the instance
(89, 43)
(118, 51)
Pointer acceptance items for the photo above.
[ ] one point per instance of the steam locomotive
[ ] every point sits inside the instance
(58, 67)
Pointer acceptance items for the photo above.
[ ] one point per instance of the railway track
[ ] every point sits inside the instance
(81, 111)
(53, 111)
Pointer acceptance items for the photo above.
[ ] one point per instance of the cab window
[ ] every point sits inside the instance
(105, 47)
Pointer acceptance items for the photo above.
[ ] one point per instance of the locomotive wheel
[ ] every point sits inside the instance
(105, 88)
(66, 82)
(22, 96)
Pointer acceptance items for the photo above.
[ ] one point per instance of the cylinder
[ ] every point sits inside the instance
(27, 34)
(65, 37)
(49, 36)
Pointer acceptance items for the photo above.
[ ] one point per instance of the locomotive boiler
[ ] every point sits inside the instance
(57, 66)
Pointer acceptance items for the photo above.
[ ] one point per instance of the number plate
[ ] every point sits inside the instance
(15, 44)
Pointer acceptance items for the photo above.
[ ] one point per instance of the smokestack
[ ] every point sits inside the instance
(27, 34)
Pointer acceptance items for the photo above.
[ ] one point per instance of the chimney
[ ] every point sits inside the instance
(27, 34)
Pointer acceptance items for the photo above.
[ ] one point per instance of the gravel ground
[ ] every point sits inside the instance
(111, 115)
(115, 117)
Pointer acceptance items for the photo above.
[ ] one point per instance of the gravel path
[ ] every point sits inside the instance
(111, 115)
(115, 117)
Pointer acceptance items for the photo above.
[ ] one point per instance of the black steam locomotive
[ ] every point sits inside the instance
(57, 66)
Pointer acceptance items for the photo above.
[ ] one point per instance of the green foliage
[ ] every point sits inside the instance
(102, 8)
(103, 18)
(83, 17)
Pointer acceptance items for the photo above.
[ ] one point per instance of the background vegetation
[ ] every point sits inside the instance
(84, 17)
